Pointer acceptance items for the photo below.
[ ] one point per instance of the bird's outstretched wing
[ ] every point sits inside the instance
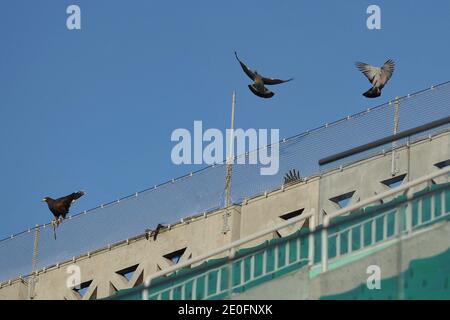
(74, 196)
(247, 71)
(158, 227)
(154, 233)
(292, 176)
(369, 71)
(66, 201)
(387, 70)
(272, 81)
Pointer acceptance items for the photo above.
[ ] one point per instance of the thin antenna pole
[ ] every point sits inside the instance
(230, 160)
(230, 157)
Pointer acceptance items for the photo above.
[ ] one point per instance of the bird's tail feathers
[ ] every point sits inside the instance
(77, 195)
(372, 93)
(80, 193)
(266, 94)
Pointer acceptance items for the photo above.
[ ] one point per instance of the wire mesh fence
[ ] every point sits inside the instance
(204, 190)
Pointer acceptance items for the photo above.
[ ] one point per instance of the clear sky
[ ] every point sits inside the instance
(94, 109)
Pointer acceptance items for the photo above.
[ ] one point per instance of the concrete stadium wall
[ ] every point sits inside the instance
(16, 290)
(364, 177)
(203, 234)
(101, 268)
(263, 212)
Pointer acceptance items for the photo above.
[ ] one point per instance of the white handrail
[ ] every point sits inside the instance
(232, 246)
(405, 187)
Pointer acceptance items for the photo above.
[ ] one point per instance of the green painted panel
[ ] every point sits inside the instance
(288, 248)
(424, 279)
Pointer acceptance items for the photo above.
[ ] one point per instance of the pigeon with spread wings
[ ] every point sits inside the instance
(258, 87)
(378, 77)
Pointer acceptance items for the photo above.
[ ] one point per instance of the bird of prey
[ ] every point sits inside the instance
(378, 77)
(258, 87)
(292, 176)
(60, 207)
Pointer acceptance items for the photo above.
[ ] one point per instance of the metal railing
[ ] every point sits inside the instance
(280, 264)
(402, 212)
(381, 142)
(232, 246)
(383, 227)
(398, 213)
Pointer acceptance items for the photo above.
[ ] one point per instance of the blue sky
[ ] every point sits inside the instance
(94, 109)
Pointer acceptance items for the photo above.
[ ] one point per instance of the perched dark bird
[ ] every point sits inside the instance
(258, 87)
(60, 207)
(378, 77)
(155, 232)
(292, 176)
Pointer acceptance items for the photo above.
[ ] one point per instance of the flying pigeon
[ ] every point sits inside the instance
(258, 87)
(60, 207)
(378, 77)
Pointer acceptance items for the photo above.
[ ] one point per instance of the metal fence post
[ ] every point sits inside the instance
(326, 224)
(311, 246)
(394, 168)
(229, 170)
(409, 211)
(231, 256)
(32, 279)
